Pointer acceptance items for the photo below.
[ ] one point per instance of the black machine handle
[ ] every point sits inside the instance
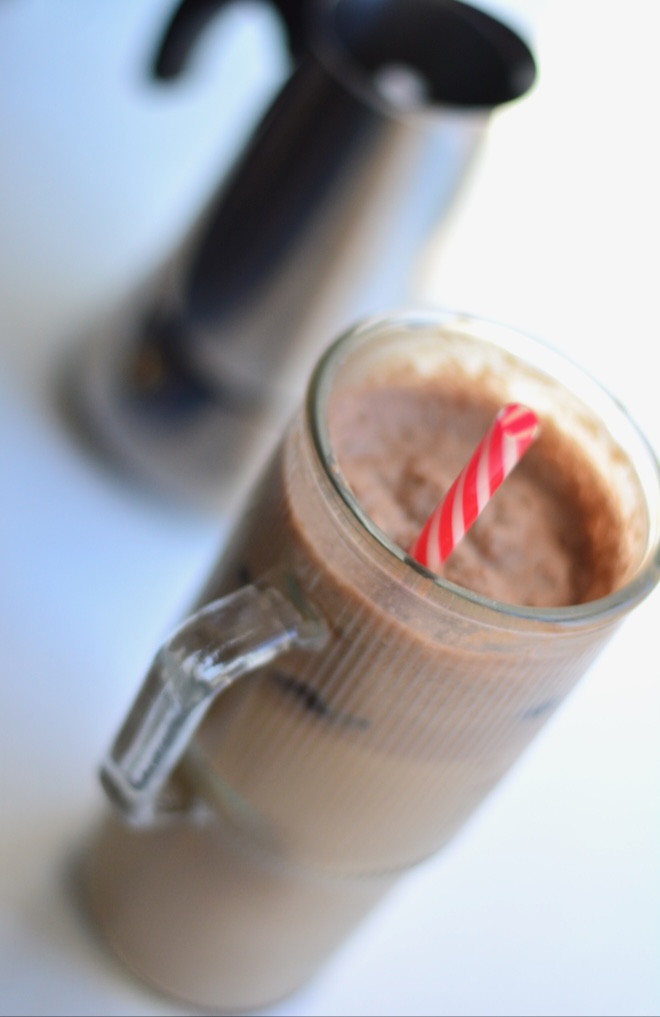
(189, 20)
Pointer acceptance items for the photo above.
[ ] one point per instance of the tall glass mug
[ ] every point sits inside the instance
(332, 712)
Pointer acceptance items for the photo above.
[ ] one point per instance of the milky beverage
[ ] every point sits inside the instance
(333, 771)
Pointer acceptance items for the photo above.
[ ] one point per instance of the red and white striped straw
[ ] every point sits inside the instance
(512, 432)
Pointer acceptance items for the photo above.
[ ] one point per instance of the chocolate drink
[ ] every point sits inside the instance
(331, 772)
(550, 537)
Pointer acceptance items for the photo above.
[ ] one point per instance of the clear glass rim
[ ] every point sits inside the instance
(600, 610)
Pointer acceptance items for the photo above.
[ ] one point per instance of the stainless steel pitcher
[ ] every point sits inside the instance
(357, 159)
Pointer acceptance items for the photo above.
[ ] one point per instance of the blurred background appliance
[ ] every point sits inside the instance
(320, 220)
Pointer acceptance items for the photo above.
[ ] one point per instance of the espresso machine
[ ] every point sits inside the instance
(319, 222)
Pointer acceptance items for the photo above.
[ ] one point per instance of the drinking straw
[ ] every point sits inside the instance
(512, 432)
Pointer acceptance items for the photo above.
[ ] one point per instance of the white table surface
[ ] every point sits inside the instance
(549, 901)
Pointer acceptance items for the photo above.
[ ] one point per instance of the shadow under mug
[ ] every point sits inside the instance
(332, 712)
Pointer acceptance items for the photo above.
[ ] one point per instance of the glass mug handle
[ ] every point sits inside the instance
(224, 640)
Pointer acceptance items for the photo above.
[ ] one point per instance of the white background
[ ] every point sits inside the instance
(549, 901)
